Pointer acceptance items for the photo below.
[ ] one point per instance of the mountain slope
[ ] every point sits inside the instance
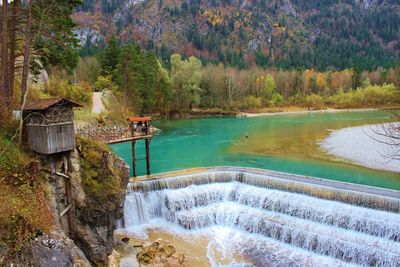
(285, 33)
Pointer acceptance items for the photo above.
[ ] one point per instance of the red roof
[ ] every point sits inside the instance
(42, 104)
(138, 119)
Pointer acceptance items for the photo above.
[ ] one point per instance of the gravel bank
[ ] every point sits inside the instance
(365, 146)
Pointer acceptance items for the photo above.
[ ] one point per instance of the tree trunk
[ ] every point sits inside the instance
(13, 45)
(4, 53)
(25, 65)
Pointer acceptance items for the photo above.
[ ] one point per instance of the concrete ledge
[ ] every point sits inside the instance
(278, 175)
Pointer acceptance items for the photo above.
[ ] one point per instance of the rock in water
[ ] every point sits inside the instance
(160, 253)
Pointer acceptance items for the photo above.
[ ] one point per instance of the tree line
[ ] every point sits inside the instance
(147, 86)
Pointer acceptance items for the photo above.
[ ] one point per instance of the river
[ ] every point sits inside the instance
(287, 143)
(238, 218)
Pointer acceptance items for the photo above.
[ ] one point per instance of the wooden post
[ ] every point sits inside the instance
(69, 195)
(133, 158)
(147, 141)
(68, 191)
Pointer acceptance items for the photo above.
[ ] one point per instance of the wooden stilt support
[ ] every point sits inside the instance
(133, 158)
(68, 194)
(68, 191)
(147, 141)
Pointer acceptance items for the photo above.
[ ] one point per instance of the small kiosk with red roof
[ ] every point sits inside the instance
(141, 128)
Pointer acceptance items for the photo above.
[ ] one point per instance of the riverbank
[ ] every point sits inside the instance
(199, 113)
(364, 145)
(305, 111)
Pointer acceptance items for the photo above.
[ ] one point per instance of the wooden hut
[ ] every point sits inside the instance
(49, 125)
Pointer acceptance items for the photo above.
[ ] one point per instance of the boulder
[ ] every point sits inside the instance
(159, 253)
(50, 251)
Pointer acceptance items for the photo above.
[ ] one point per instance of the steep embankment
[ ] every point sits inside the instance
(60, 209)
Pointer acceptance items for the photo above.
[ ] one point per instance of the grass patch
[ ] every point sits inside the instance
(85, 114)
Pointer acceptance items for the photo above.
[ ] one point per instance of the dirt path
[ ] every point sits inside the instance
(98, 106)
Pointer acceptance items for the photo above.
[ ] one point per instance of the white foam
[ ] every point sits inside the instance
(268, 226)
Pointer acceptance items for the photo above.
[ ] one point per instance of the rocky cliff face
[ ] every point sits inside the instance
(99, 205)
(85, 190)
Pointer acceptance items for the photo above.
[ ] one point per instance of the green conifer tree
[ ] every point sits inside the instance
(110, 58)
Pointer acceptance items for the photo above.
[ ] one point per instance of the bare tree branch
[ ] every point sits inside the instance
(389, 134)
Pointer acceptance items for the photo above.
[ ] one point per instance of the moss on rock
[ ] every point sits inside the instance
(100, 180)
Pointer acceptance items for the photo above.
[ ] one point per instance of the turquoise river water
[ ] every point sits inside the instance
(287, 143)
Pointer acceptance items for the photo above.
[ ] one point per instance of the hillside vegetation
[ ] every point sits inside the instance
(241, 33)
(24, 212)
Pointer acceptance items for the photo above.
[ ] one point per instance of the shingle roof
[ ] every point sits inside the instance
(138, 119)
(42, 104)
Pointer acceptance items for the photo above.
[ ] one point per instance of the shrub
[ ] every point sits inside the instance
(253, 102)
(80, 92)
(276, 100)
(315, 101)
(370, 96)
(103, 83)
(115, 106)
(379, 95)
(297, 99)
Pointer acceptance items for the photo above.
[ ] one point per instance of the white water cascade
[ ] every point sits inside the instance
(270, 221)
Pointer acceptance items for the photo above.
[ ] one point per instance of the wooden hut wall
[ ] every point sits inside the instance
(52, 138)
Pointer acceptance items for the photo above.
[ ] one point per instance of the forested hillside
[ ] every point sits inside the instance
(281, 33)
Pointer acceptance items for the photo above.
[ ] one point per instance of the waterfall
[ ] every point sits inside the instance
(273, 221)
(291, 183)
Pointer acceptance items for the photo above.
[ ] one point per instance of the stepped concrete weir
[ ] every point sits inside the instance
(271, 218)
